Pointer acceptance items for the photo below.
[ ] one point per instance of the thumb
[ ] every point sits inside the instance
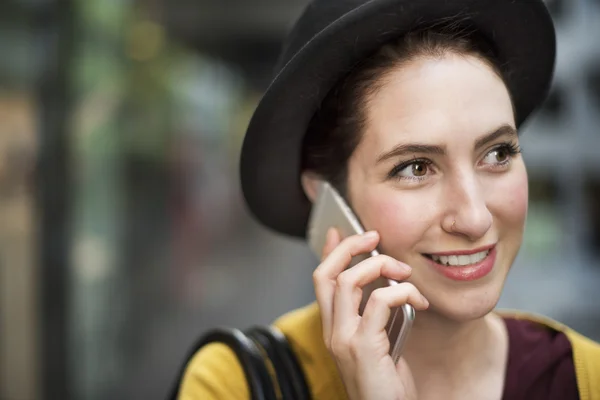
(332, 239)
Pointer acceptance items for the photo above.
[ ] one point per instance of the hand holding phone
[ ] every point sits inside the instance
(360, 343)
(331, 211)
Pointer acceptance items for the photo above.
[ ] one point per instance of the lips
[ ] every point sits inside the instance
(464, 265)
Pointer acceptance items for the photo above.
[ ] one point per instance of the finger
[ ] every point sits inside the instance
(332, 240)
(324, 298)
(349, 284)
(378, 309)
(372, 268)
(326, 273)
(340, 257)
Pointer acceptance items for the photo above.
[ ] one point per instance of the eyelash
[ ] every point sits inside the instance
(511, 148)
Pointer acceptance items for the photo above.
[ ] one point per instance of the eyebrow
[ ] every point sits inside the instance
(504, 130)
(410, 148)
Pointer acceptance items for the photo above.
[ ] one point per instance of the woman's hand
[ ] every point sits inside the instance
(360, 345)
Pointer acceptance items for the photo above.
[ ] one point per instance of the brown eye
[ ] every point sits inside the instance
(501, 155)
(413, 169)
(419, 169)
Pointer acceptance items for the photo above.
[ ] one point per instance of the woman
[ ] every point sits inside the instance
(411, 110)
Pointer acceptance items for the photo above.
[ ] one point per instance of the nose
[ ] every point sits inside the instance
(467, 213)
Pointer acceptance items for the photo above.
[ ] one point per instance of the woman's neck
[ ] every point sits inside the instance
(447, 352)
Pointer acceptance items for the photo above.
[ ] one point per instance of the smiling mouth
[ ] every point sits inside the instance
(461, 260)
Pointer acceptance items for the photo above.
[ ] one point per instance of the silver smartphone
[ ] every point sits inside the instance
(331, 210)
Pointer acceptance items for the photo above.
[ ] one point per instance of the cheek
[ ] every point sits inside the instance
(398, 217)
(509, 200)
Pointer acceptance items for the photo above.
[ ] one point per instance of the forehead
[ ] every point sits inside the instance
(452, 98)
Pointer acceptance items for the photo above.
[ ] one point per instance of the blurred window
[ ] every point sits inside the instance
(593, 83)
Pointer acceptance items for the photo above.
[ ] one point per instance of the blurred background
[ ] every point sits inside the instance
(123, 235)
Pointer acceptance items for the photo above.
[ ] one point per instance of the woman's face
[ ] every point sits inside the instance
(439, 176)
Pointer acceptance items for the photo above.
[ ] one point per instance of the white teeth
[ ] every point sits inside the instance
(461, 260)
(464, 260)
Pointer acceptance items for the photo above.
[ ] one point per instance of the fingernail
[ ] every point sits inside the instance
(405, 267)
(425, 300)
(370, 234)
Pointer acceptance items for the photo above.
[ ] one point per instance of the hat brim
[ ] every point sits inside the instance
(521, 31)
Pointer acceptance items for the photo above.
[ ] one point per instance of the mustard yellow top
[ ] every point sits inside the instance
(215, 374)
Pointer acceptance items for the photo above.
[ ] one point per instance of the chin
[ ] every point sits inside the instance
(466, 304)
(468, 312)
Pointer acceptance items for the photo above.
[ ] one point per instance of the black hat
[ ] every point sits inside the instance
(333, 35)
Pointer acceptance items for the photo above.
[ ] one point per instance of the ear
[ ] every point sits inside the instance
(310, 184)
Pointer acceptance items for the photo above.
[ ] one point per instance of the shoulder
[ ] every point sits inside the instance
(581, 344)
(586, 357)
(214, 372)
(304, 332)
(302, 327)
(569, 349)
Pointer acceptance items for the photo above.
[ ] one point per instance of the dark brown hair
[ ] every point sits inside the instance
(336, 128)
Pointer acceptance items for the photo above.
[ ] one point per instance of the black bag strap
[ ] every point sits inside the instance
(250, 350)
(257, 375)
(290, 376)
